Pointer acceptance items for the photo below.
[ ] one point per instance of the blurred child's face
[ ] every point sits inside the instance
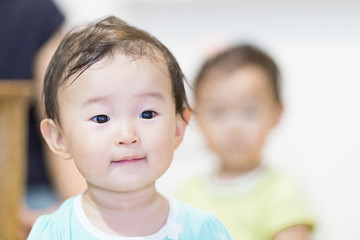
(118, 123)
(236, 111)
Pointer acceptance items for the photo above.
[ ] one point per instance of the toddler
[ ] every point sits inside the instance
(237, 104)
(116, 105)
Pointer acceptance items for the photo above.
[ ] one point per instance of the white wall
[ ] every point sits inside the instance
(317, 45)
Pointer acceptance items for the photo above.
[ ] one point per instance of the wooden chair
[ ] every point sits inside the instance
(14, 102)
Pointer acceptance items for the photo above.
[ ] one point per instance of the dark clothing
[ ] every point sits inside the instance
(25, 26)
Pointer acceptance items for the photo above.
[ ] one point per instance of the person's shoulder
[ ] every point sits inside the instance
(66, 209)
(188, 211)
(286, 203)
(51, 226)
(275, 178)
(199, 223)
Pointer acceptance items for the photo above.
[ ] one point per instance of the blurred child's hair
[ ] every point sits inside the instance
(83, 47)
(235, 58)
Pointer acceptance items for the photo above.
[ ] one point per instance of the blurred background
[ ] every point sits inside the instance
(317, 46)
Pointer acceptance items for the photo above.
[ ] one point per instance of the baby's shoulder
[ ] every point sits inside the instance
(279, 180)
(64, 212)
(197, 222)
(54, 225)
(191, 213)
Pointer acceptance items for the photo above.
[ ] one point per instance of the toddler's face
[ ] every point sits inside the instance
(119, 124)
(236, 111)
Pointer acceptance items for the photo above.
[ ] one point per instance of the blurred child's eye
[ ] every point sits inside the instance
(148, 114)
(100, 119)
(216, 114)
(250, 112)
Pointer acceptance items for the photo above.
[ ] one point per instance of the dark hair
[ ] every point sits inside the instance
(84, 46)
(237, 57)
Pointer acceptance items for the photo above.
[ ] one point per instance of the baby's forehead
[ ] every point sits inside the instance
(241, 83)
(150, 59)
(144, 62)
(218, 75)
(119, 78)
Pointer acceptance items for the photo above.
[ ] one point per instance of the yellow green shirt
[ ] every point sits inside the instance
(255, 207)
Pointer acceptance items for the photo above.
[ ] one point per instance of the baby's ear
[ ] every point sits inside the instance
(278, 114)
(54, 138)
(181, 124)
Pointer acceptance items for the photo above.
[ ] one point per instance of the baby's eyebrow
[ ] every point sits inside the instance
(95, 100)
(151, 95)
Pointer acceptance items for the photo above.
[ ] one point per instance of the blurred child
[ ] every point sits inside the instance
(115, 102)
(237, 104)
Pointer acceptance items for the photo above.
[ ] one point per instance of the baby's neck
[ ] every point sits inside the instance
(120, 201)
(228, 174)
(130, 214)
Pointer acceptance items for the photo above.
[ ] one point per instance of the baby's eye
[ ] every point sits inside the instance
(148, 114)
(217, 113)
(100, 119)
(250, 112)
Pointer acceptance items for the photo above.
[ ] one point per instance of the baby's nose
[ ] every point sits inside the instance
(127, 135)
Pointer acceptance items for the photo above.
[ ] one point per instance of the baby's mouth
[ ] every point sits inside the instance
(128, 160)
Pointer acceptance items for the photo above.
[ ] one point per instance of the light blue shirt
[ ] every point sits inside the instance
(183, 223)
